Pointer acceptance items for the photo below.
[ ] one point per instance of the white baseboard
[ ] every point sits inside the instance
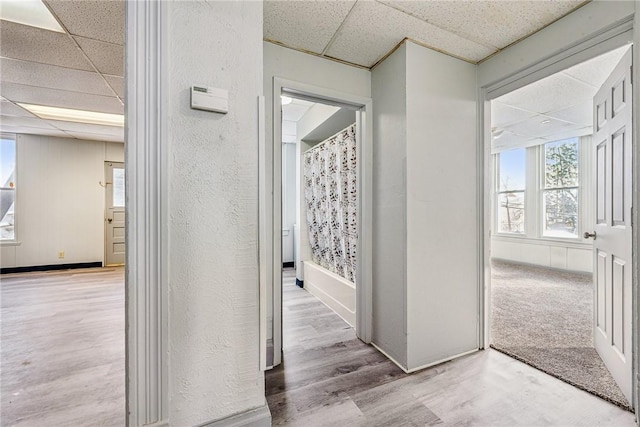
(390, 358)
(258, 417)
(437, 362)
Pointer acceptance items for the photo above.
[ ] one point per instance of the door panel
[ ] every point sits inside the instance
(613, 241)
(114, 214)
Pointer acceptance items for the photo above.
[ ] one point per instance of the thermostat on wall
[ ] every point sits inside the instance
(210, 99)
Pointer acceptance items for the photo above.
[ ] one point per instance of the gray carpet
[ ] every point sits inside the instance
(543, 317)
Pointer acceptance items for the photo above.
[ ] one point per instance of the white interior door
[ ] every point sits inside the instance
(612, 230)
(114, 214)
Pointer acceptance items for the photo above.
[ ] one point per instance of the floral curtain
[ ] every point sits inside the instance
(330, 198)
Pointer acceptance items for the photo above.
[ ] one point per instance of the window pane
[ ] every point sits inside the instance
(511, 175)
(511, 212)
(7, 188)
(118, 187)
(561, 213)
(561, 163)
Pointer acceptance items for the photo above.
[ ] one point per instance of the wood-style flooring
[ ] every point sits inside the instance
(330, 378)
(62, 356)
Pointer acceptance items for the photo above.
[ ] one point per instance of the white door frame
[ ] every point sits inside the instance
(620, 34)
(365, 223)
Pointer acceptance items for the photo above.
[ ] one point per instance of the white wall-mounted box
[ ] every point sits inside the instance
(210, 99)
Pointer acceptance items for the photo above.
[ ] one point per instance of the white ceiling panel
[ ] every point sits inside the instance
(372, 29)
(550, 94)
(95, 137)
(534, 127)
(10, 109)
(38, 45)
(59, 98)
(98, 20)
(492, 23)
(510, 141)
(115, 131)
(52, 76)
(596, 71)
(33, 131)
(310, 25)
(581, 114)
(117, 83)
(503, 114)
(572, 133)
(294, 111)
(107, 57)
(31, 122)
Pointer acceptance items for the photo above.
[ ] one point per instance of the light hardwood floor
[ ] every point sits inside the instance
(330, 378)
(62, 357)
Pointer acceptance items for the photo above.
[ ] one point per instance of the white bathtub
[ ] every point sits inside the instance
(334, 291)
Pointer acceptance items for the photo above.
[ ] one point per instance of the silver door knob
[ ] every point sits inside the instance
(588, 235)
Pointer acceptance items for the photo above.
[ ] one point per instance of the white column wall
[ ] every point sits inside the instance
(213, 318)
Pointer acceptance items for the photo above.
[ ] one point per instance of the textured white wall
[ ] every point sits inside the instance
(59, 204)
(442, 244)
(388, 81)
(213, 212)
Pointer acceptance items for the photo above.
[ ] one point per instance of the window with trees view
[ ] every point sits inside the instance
(7, 187)
(560, 190)
(511, 177)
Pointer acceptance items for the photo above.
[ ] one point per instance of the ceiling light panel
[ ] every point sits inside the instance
(29, 12)
(78, 116)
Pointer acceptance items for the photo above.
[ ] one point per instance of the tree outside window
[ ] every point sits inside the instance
(560, 193)
(511, 191)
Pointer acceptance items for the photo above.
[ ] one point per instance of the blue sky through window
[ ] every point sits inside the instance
(512, 170)
(7, 159)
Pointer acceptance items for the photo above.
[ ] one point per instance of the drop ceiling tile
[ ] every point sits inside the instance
(52, 76)
(107, 57)
(10, 109)
(294, 111)
(32, 122)
(117, 83)
(99, 20)
(492, 23)
(115, 131)
(550, 94)
(372, 29)
(596, 70)
(510, 141)
(32, 131)
(38, 45)
(95, 137)
(581, 114)
(60, 98)
(580, 131)
(535, 128)
(306, 25)
(502, 114)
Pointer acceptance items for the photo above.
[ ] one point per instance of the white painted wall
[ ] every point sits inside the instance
(59, 203)
(442, 268)
(213, 321)
(289, 197)
(564, 256)
(300, 67)
(389, 93)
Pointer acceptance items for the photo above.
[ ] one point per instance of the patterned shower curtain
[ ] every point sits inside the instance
(330, 198)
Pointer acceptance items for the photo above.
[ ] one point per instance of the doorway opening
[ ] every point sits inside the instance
(321, 224)
(558, 173)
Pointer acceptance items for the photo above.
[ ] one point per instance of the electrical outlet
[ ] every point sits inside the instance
(60, 254)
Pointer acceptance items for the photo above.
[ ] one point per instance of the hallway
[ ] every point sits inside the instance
(329, 377)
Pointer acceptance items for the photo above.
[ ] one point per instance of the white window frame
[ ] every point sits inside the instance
(498, 192)
(534, 193)
(14, 241)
